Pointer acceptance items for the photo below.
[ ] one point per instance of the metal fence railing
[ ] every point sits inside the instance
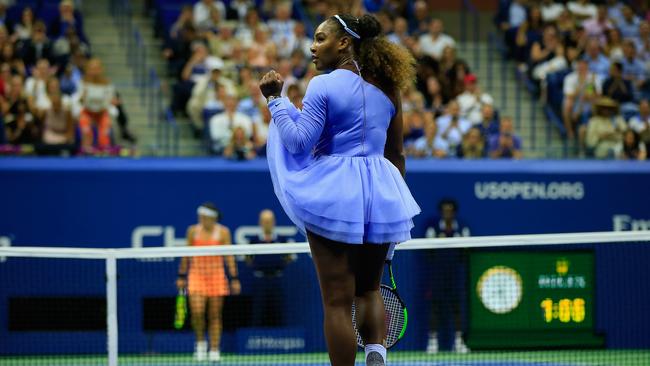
(542, 138)
(146, 79)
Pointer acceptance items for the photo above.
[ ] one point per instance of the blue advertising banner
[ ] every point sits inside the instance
(107, 203)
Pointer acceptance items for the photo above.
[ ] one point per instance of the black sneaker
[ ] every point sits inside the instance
(374, 359)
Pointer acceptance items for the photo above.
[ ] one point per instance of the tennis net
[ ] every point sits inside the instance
(552, 299)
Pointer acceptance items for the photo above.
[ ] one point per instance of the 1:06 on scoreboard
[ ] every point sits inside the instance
(564, 310)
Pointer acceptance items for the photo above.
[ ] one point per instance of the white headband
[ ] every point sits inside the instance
(345, 26)
(206, 211)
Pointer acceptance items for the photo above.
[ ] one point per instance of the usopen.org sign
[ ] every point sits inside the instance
(529, 190)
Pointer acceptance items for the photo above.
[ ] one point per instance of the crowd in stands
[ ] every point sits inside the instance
(590, 61)
(54, 98)
(217, 52)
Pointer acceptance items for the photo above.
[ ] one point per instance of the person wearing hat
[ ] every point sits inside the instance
(472, 100)
(204, 91)
(604, 129)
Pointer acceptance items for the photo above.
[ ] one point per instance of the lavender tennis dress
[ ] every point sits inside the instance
(328, 167)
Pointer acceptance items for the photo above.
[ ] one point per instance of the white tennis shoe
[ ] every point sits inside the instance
(201, 351)
(460, 346)
(214, 356)
(432, 345)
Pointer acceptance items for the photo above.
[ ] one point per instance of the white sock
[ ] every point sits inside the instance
(376, 348)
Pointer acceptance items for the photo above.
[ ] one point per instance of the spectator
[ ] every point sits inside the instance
(223, 124)
(431, 144)
(202, 13)
(447, 61)
(72, 73)
(614, 46)
(472, 100)
(526, 34)
(598, 62)
(614, 10)
(631, 147)
(629, 23)
(489, 123)
(35, 88)
(282, 28)
(5, 79)
(616, 87)
(240, 147)
(56, 116)
(435, 101)
(262, 51)
(582, 9)
(64, 46)
(419, 22)
(454, 84)
(565, 24)
(295, 95)
(505, 144)
(179, 50)
(9, 55)
(185, 17)
(597, 27)
(206, 94)
(250, 104)
(300, 42)
(449, 272)
(641, 122)
(267, 275)
(38, 46)
(634, 69)
(516, 15)
(262, 130)
(246, 30)
(299, 65)
(605, 129)
(238, 8)
(643, 41)
(95, 95)
(473, 145)
(68, 17)
(211, 25)
(284, 69)
(433, 43)
(547, 56)
(4, 4)
(580, 89)
(400, 34)
(452, 127)
(551, 10)
(22, 30)
(19, 124)
(223, 43)
(414, 122)
(197, 68)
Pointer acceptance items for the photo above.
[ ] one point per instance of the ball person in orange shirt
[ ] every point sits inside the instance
(206, 281)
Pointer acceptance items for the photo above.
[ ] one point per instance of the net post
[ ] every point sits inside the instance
(111, 308)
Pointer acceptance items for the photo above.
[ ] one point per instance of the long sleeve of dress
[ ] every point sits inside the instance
(302, 134)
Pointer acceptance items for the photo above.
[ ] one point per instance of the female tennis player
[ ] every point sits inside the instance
(337, 168)
(206, 281)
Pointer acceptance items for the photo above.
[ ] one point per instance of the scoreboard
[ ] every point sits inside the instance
(532, 299)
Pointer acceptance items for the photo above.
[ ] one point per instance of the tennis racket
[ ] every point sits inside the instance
(396, 314)
(181, 309)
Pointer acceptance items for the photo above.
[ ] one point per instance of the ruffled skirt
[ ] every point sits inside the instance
(348, 199)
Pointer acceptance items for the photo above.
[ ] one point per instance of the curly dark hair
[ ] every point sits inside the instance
(391, 65)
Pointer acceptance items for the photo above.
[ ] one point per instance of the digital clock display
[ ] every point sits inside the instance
(535, 294)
